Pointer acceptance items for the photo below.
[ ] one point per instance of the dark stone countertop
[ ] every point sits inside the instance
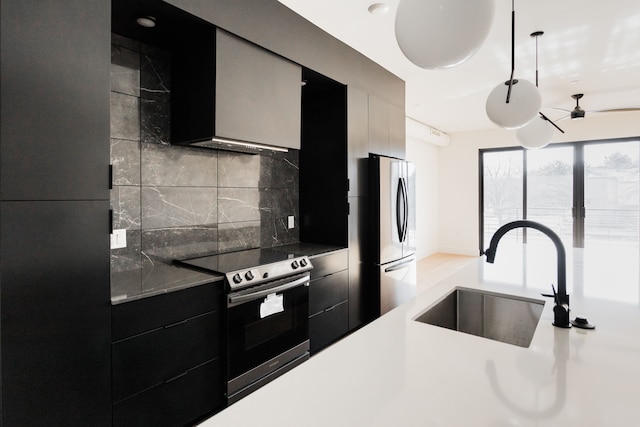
(308, 249)
(162, 278)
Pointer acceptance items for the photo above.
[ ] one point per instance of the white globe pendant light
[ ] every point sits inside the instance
(538, 133)
(514, 103)
(442, 33)
(524, 103)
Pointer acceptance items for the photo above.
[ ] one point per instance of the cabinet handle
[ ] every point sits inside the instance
(176, 377)
(110, 177)
(176, 324)
(332, 307)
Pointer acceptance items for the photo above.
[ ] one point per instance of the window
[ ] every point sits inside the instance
(502, 190)
(587, 192)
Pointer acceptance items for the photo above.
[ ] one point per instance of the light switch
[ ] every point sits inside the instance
(291, 221)
(119, 239)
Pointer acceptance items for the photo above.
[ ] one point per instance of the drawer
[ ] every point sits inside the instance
(328, 291)
(156, 356)
(180, 402)
(135, 317)
(329, 263)
(328, 326)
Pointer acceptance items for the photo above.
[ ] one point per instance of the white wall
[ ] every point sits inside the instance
(457, 165)
(425, 156)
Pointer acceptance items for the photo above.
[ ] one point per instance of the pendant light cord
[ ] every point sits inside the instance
(536, 35)
(513, 48)
(537, 60)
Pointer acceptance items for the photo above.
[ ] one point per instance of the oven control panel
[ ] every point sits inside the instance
(263, 273)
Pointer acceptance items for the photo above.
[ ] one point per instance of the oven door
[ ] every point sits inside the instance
(267, 327)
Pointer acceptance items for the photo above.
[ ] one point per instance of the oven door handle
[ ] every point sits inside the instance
(239, 299)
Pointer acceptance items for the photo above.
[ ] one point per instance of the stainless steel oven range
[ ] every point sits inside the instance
(267, 314)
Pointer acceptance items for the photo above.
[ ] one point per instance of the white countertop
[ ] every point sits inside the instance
(399, 372)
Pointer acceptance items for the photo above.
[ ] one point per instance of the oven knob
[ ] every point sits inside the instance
(303, 262)
(294, 265)
(249, 275)
(265, 275)
(237, 278)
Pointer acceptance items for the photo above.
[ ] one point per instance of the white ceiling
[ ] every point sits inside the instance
(588, 46)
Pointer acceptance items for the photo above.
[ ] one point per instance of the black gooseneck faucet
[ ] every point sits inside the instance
(561, 309)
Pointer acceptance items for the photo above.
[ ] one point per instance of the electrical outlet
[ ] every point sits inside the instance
(119, 239)
(291, 221)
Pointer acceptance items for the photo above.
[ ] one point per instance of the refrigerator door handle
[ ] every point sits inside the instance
(399, 206)
(399, 266)
(406, 209)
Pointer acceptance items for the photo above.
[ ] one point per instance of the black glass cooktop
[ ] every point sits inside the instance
(241, 260)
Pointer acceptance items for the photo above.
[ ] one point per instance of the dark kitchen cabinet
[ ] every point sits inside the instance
(55, 100)
(329, 263)
(386, 128)
(165, 353)
(54, 213)
(146, 314)
(167, 358)
(378, 126)
(175, 402)
(328, 299)
(55, 313)
(328, 326)
(358, 271)
(357, 160)
(397, 132)
(358, 141)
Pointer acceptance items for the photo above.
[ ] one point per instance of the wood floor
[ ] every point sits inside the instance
(436, 267)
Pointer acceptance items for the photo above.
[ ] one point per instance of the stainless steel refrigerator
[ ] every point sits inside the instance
(393, 228)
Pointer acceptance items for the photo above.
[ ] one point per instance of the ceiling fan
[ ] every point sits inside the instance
(579, 113)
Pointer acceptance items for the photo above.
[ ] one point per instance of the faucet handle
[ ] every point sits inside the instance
(556, 297)
(555, 294)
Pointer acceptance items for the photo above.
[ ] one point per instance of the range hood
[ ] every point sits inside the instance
(226, 144)
(230, 94)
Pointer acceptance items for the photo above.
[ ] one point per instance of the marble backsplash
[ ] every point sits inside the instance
(177, 202)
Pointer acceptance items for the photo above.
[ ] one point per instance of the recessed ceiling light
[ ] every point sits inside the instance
(379, 8)
(146, 21)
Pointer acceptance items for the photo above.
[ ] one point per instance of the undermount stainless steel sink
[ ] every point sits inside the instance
(501, 317)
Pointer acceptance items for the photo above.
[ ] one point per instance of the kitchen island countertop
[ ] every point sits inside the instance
(399, 372)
